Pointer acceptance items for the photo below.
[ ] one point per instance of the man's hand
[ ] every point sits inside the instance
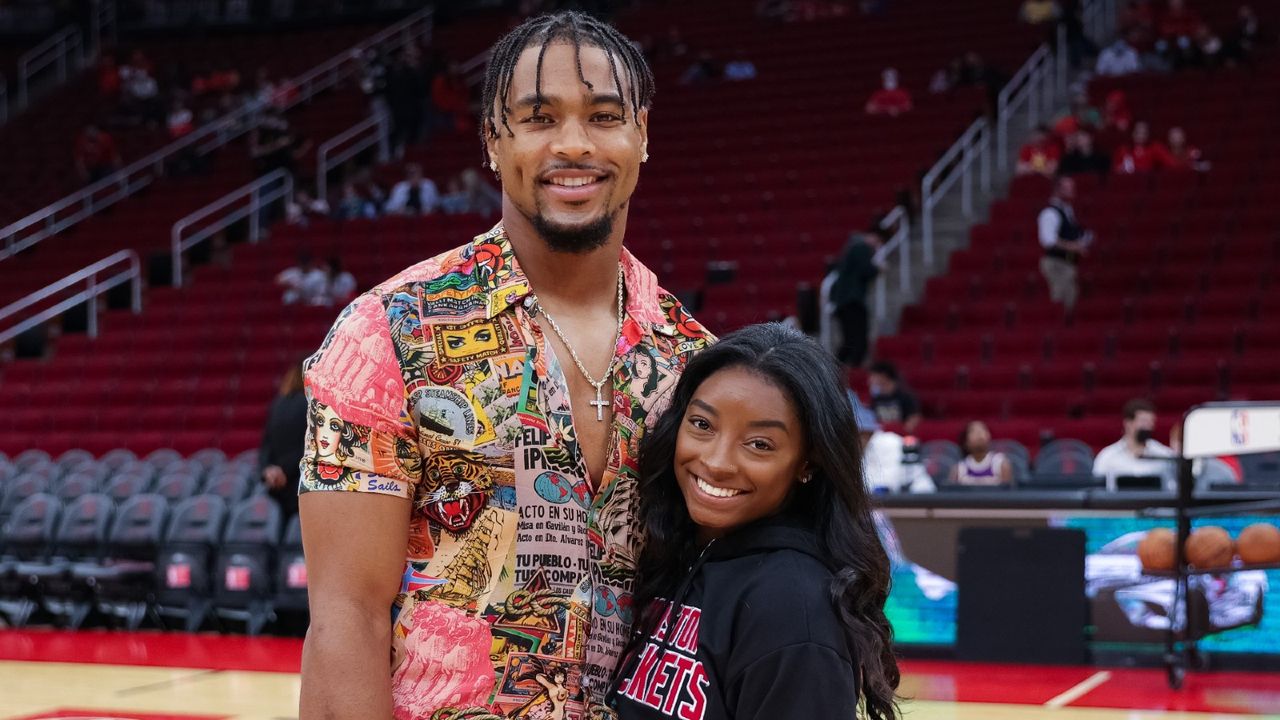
(273, 476)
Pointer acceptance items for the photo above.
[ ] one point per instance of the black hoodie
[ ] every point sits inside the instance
(754, 634)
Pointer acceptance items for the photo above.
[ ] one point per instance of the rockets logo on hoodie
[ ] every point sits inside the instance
(667, 676)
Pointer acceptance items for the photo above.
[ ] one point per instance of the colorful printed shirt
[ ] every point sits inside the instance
(438, 386)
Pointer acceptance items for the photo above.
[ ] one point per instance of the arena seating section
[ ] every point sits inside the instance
(38, 145)
(788, 176)
(1177, 303)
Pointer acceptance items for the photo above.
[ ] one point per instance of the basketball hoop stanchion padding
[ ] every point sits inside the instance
(1210, 430)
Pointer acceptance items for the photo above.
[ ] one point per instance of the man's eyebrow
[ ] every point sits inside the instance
(533, 99)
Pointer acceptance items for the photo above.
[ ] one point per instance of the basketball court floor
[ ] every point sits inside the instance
(153, 676)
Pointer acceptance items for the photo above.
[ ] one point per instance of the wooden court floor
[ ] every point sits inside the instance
(154, 676)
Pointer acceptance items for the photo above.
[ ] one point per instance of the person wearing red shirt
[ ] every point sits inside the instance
(1142, 155)
(95, 155)
(890, 99)
(1184, 155)
(452, 96)
(1040, 155)
(1179, 22)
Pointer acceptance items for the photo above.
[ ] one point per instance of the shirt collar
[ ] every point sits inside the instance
(497, 271)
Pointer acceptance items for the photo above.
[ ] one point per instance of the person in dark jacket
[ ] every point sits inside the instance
(282, 442)
(857, 270)
(762, 583)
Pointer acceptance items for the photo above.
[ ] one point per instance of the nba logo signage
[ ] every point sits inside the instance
(1239, 425)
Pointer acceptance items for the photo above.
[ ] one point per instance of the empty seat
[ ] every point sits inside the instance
(291, 573)
(122, 488)
(184, 587)
(27, 537)
(82, 530)
(245, 564)
(76, 485)
(177, 487)
(123, 583)
(231, 487)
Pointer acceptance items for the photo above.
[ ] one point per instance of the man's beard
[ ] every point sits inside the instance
(578, 239)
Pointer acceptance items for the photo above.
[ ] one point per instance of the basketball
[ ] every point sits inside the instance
(1210, 547)
(1156, 550)
(1259, 544)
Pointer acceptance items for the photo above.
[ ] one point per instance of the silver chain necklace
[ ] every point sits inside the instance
(599, 403)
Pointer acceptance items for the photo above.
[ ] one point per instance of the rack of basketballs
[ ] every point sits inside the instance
(1211, 549)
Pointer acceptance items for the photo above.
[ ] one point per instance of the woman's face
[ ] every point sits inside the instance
(979, 438)
(328, 432)
(644, 366)
(739, 451)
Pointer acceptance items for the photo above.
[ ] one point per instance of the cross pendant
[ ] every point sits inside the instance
(599, 404)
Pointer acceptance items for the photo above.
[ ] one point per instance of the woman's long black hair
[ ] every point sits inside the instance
(835, 500)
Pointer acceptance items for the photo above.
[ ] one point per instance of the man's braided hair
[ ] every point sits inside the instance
(571, 27)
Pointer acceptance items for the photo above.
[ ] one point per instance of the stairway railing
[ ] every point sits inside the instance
(246, 202)
(955, 165)
(94, 287)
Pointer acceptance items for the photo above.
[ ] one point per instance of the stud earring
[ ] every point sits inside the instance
(804, 479)
(493, 165)
(644, 155)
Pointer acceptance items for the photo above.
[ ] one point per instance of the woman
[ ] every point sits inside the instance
(980, 466)
(759, 531)
(282, 442)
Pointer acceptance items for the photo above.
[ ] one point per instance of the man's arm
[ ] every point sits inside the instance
(354, 545)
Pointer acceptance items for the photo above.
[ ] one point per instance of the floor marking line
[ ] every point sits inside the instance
(193, 677)
(1079, 690)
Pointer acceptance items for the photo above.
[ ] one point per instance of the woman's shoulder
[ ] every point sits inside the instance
(785, 594)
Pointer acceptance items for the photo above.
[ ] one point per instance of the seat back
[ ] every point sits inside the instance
(18, 489)
(197, 521)
(255, 521)
(75, 486)
(1064, 445)
(176, 487)
(34, 456)
(291, 573)
(82, 531)
(121, 488)
(74, 459)
(118, 458)
(138, 527)
(182, 564)
(248, 551)
(30, 529)
(1012, 449)
(231, 487)
(163, 457)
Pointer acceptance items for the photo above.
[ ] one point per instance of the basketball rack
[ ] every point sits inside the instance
(1210, 430)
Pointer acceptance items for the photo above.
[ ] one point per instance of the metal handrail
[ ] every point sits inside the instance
(4, 100)
(1042, 79)
(84, 203)
(898, 244)
(89, 294)
(57, 49)
(955, 165)
(103, 21)
(327, 159)
(259, 194)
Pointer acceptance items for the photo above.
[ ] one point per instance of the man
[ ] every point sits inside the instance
(893, 403)
(1064, 240)
(1142, 154)
(415, 195)
(1136, 454)
(1119, 58)
(890, 99)
(1040, 155)
(858, 269)
(481, 410)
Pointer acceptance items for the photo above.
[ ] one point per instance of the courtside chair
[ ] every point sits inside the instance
(123, 583)
(184, 587)
(81, 536)
(245, 566)
(27, 537)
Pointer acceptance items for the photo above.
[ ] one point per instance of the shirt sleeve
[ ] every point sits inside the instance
(360, 435)
(796, 682)
(1049, 224)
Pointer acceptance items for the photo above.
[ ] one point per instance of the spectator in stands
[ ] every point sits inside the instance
(1040, 155)
(451, 95)
(980, 465)
(882, 456)
(704, 69)
(1119, 58)
(280, 453)
(1177, 33)
(273, 144)
(1138, 23)
(96, 155)
(353, 205)
(305, 283)
(181, 121)
(415, 195)
(469, 193)
(342, 284)
(857, 270)
(1142, 154)
(1136, 454)
(1082, 115)
(1245, 38)
(1064, 240)
(740, 68)
(1183, 155)
(406, 98)
(301, 208)
(1082, 157)
(109, 78)
(890, 99)
(892, 402)
(141, 97)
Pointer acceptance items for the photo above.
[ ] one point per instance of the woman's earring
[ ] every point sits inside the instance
(805, 478)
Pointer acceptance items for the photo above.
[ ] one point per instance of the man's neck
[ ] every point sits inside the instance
(580, 279)
(1136, 448)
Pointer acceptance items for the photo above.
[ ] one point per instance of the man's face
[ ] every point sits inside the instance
(1141, 134)
(1142, 420)
(571, 167)
(1067, 189)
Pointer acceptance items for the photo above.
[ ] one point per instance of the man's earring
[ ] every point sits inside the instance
(644, 154)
